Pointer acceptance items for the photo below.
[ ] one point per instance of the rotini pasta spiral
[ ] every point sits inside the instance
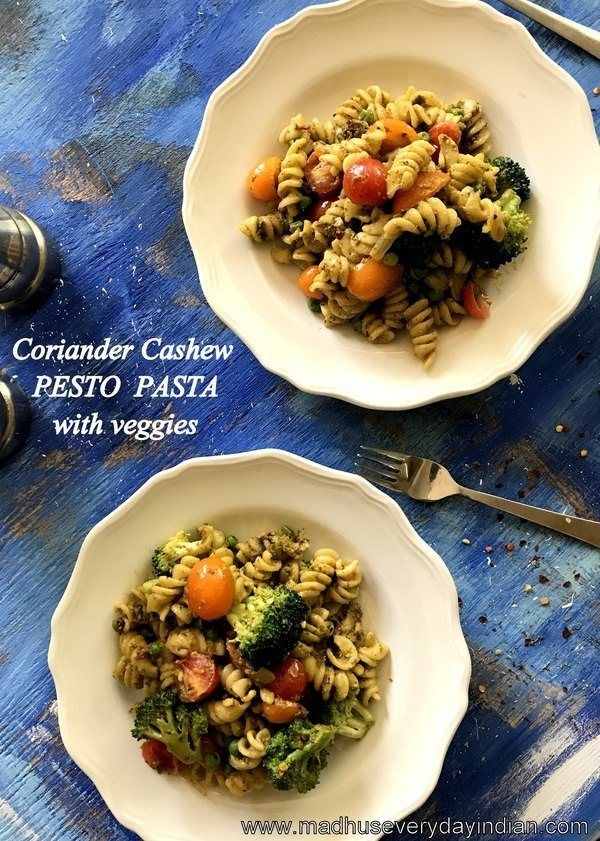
(291, 176)
(264, 228)
(406, 165)
(235, 682)
(347, 581)
(375, 329)
(428, 215)
(394, 308)
(423, 334)
(226, 710)
(250, 749)
(328, 680)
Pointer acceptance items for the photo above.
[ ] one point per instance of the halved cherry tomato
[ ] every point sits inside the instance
(281, 711)
(426, 184)
(397, 134)
(197, 677)
(321, 206)
(475, 301)
(371, 279)
(210, 588)
(365, 182)
(447, 127)
(156, 755)
(291, 679)
(262, 180)
(305, 281)
(322, 177)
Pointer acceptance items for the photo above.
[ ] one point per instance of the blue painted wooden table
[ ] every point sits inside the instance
(100, 102)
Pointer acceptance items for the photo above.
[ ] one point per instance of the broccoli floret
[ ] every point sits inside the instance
(485, 252)
(178, 726)
(176, 547)
(512, 176)
(297, 754)
(268, 625)
(416, 250)
(348, 718)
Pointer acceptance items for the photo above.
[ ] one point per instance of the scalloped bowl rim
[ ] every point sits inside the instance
(458, 704)
(301, 378)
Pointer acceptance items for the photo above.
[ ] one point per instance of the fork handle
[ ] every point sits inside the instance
(577, 527)
(583, 36)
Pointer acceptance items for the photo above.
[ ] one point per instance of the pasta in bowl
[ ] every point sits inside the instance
(516, 86)
(396, 211)
(253, 658)
(422, 680)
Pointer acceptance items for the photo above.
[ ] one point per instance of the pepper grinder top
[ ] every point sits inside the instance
(15, 418)
(29, 261)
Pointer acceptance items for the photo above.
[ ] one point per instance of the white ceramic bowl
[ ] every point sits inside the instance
(409, 600)
(313, 62)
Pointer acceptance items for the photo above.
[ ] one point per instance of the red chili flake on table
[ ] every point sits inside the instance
(483, 619)
(510, 547)
(566, 633)
(543, 580)
(489, 549)
(522, 543)
(577, 576)
(566, 583)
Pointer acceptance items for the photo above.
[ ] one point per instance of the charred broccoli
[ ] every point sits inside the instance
(176, 547)
(178, 726)
(416, 250)
(486, 252)
(268, 625)
(348, 718)
(297, 754)
(511, 176)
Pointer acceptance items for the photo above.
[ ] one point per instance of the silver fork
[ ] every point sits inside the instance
(428, 481)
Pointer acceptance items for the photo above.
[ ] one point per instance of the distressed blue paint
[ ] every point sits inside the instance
(99, 106)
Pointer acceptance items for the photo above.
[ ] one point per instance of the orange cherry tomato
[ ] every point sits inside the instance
(291, 679)
(475, 301)
(371, 279)
(397, 134)
(427, 184)
(305, 281)
(280, 712)
(210, 588)
(262, 180)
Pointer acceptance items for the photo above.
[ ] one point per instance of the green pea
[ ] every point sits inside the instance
(232, 541)
(313, 305)
(212, 761)
(234, 749)
(155, 649)
(390, 259)
(367, 116)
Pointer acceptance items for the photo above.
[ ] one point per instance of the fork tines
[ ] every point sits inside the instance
(384, 468)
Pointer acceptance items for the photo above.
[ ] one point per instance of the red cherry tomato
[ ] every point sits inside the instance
(156, 755)
(447, 127)
(197, 677)
(475, 301)
(321, 206)
(280, 712)
(322, 177)
(365, 182)
(291, 679)
(210, 588)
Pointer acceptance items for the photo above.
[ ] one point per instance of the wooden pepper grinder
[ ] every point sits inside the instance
(15, 418)
(29, 261)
